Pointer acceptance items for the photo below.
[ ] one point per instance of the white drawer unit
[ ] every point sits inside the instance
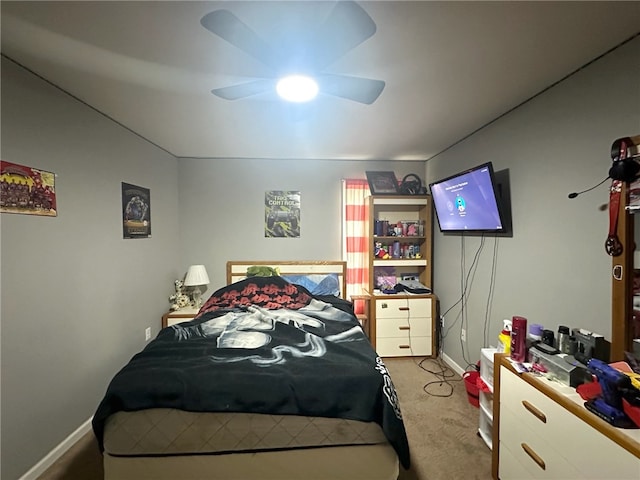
(403, 325)
(485, 422)
(540, 438)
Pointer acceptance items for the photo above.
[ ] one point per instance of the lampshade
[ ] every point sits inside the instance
(196, 275)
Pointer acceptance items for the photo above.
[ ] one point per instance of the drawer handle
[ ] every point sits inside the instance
(403, 309)
(404, 327)
(404, 346)
(534, 456)
(536, 413)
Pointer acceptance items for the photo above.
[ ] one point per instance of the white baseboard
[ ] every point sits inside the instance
(454, 366)
(40, 467)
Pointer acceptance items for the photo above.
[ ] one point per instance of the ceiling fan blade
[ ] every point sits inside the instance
(346, 27)
(227, 26)
(362, 90)
(243, 90)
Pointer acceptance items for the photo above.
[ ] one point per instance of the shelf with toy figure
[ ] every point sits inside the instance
(398, 251)
(400, 233)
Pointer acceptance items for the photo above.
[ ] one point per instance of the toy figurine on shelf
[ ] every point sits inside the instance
(380, 251)
(179, 299)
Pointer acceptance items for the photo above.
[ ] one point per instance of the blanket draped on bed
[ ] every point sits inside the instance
(262, 345)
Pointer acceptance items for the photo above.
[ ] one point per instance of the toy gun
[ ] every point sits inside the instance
(608, 405)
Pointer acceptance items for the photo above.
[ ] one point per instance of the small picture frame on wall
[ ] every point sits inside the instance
(381, 183)
(136, 211)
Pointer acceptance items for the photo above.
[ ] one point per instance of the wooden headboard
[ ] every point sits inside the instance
(237, 270)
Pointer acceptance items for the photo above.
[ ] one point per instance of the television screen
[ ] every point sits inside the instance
(467, 201)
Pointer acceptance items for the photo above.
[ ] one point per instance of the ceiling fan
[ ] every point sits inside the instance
(346, 27)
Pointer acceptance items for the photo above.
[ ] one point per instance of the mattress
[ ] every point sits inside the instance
(165, 431)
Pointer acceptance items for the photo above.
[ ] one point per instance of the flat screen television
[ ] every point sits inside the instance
(468, 202)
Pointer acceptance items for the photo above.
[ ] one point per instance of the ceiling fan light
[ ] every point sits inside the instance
(297, 88)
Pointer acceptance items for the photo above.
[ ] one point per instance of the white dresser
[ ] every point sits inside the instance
(543, 431)
(402, 325)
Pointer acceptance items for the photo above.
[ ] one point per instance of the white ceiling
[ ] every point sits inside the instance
(449, 67)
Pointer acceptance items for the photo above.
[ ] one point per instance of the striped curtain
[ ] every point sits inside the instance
(355, 232)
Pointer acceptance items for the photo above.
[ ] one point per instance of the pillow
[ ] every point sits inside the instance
(317, 284)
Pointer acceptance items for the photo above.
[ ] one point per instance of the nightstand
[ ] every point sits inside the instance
(177, 316)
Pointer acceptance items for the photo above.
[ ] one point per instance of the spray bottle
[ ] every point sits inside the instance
(504, 339)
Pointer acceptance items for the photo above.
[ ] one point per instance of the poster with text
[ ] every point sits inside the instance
(136, 211)
(282, 214)
(27, 190)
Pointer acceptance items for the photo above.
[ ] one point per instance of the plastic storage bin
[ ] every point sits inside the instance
(471, 384)
(486, 365)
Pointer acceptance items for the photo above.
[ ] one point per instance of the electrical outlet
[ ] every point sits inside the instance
(147, 333)
(463, 335)
(442, 322)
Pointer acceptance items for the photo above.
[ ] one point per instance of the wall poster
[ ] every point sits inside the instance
(136, 211)
(282, 214)
(27, 190)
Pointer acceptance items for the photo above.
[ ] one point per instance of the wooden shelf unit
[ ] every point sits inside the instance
(402, 324)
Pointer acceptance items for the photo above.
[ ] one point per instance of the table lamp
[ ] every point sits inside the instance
(195, 278)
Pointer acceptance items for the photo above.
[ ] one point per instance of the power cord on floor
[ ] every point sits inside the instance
(444, 374)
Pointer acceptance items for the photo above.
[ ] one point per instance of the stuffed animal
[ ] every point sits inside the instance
(179, 299)
(262, 271)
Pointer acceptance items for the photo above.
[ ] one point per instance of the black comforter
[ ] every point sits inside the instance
(262, 345)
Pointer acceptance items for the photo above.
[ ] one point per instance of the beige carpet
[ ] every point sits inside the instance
(442, 431)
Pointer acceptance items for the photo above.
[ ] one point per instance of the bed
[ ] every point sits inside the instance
(271, 380)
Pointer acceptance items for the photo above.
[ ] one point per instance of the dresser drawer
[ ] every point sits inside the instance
(562, 431)
(403, 346)
(539, 456)
(403, 308)
(179, 316)
(400, 327)
(176, 320)
(510, 467)
(535, 409)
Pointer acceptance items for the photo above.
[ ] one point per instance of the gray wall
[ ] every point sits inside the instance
(222, 208)
(76, 297)
(554, 269)
(63, 337)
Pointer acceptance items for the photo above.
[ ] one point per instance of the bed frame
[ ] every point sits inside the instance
(237, 270)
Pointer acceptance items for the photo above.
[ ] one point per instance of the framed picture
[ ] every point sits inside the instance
(382, 183)
(136, 211)
(27, 190)
(282, 214)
